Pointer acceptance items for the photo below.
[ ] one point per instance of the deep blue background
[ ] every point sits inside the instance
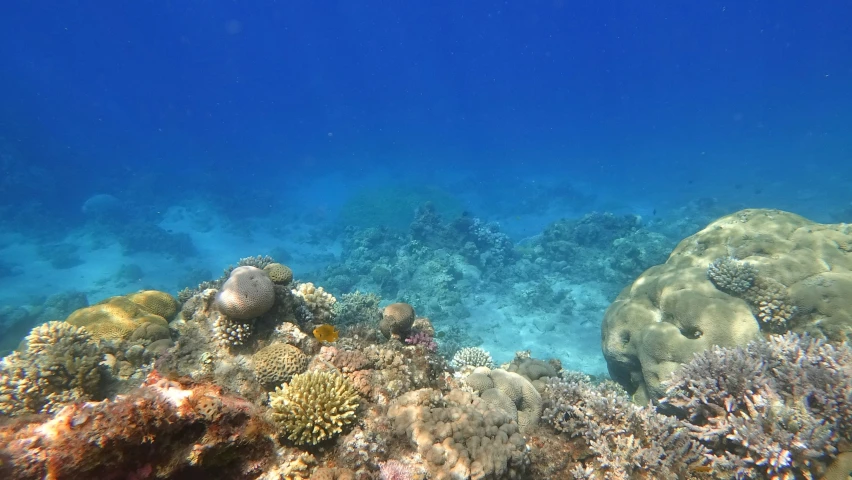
(237, 91)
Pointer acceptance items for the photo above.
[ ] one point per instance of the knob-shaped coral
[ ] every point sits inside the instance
(248, 293)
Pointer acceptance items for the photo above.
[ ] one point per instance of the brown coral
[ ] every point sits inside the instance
(248, 293)
(277, 363)
(397, 320)
(176, 430)
(61, 364)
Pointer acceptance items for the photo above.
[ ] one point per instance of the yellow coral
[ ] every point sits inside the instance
(278, 273)
(315, 406)
(117, 317)
(156, 302)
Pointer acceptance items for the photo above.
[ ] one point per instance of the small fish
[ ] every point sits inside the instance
(326, 333)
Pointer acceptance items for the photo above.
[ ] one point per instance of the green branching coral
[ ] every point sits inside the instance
(314, 406)
(61, 364)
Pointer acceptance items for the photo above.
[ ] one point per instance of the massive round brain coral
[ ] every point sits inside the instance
(791, 274)
(248, 293)
(277, 363)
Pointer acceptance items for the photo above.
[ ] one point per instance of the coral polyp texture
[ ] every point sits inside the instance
(279, 273)
(247, 294)
(164, 429)
(397, 320)
(116, 318)
(277, 363)
(457, 435)
(314, 406)
(60, 364)
(789, 274)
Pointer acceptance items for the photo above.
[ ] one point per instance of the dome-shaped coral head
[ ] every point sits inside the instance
(326, 333)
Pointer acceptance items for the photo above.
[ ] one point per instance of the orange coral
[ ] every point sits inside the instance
(167, 427)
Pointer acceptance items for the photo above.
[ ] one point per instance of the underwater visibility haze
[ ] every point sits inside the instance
(425, 240)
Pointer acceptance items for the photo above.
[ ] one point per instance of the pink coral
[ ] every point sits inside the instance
(394, 470)
(424, 340)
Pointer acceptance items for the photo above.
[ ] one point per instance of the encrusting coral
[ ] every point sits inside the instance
(314, 406)
(459, 436)
(61, 364)
(164, 429)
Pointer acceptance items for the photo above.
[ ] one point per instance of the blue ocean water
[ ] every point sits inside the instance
(151, 144)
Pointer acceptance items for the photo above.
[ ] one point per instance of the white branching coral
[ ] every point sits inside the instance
(472, 357)
(319, 303)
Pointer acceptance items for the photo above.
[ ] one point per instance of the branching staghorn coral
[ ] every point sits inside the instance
(625, 439)
(779, 409)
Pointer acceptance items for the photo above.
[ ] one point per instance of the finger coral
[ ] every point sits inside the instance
(314, 406)
(164, 429)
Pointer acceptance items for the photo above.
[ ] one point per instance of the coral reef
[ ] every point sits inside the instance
(319, 303)
(278, 273)
(277, 363)
(618, 439)
(117, 318)
(778, 409)
(800, 282)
